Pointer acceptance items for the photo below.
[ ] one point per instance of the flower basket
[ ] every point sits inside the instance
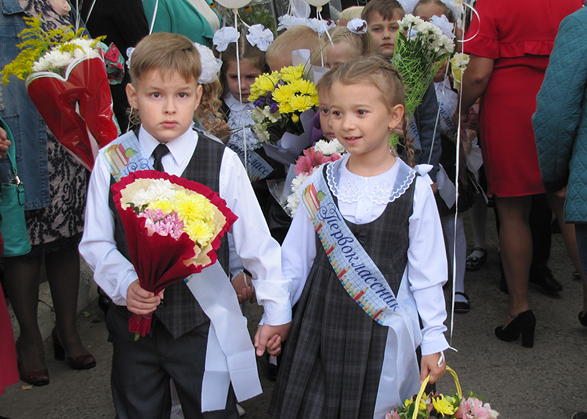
(437, 406)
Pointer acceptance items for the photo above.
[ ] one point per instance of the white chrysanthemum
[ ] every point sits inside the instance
(293, 202)
(160, 189)
(58, 59)
(328, 148)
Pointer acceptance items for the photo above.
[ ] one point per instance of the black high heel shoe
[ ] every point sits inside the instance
(36, 378)
(82, 362)
(523, 324)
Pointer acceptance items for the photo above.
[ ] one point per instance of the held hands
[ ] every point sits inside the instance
(140, 301)
(270, 337)
(243, 287)
(430, 366)
(4, 143)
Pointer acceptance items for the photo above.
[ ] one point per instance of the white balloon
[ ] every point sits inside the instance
(233, 4)
(317, 3)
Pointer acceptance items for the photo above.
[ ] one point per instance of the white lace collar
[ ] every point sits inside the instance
(235, 105)
(380, 189)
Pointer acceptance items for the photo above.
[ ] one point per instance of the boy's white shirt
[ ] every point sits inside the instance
(259, 252)
(427, 263)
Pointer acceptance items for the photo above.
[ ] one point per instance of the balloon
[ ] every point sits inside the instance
(233, 4)
(317, 3)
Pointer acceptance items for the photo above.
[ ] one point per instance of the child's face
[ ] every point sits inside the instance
(324, 109)
(383, 33)
(166, 103)
(427, 10)
(341, 53)
(361, 120)
(249, 72)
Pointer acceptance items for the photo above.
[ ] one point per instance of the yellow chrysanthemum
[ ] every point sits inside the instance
(443, 406)
(163, 204)
(289, 74)
(303, 86)
(301, 103)
(193, 207)
(295, 117)
(285, 108)
(283, 94)
(200, 231)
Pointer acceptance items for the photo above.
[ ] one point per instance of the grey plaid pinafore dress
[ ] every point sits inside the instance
(333, 357)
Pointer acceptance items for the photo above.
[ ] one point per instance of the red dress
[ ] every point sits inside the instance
(8, 369)
(519, 36)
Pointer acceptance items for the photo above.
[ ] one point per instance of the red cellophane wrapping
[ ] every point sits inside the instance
(84, 89)
(161, 260)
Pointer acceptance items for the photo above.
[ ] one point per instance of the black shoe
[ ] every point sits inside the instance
(462, 306)
(547, 282)
(474, 263)
(583, 319)
(579, 415)
(524, 324)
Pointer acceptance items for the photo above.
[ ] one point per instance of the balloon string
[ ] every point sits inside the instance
(240, 93)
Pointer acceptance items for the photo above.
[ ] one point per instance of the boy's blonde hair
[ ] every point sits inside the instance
(386, 8)
(377, 72)
(296, 37)
(349, 14)
(363, 44)
(167, 53)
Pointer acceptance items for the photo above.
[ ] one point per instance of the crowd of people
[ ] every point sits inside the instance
(378, 229)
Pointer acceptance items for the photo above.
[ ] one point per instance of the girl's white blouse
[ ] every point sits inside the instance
(362, 200)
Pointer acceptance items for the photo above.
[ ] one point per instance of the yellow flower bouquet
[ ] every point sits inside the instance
(174, 224)
(285, 104)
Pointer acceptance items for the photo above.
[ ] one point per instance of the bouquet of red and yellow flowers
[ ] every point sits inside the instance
(174, 224)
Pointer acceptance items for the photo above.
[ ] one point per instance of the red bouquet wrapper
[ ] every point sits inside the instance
(77, 108)
(161, 260)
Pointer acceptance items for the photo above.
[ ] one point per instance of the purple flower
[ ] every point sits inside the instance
(258, 103)
(274, 107)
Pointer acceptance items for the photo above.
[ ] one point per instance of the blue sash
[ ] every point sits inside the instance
(257, 167)
(355, 269)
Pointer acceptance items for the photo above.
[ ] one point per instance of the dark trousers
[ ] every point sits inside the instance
(141, 371)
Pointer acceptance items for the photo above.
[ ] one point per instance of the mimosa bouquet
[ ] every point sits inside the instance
(323, 151)
(67, 81)
(285, 103)
(174, 224)
(420, 49)
(434, 405)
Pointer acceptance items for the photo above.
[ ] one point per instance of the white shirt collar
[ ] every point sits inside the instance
(178, 148)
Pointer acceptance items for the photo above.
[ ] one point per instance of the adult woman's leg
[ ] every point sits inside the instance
(63, 272)
(515, 241)
(22, 284)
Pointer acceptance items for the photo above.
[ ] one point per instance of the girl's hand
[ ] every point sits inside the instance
(140, 301)
(274, 346)
(265, 333)
(430, 367)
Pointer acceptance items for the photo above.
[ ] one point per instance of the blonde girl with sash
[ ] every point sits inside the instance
(366, 257)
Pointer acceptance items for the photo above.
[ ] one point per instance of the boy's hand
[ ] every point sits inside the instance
(141, 301)
(430, 366)
(274, 346)
(244, 288)
(266, 332)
